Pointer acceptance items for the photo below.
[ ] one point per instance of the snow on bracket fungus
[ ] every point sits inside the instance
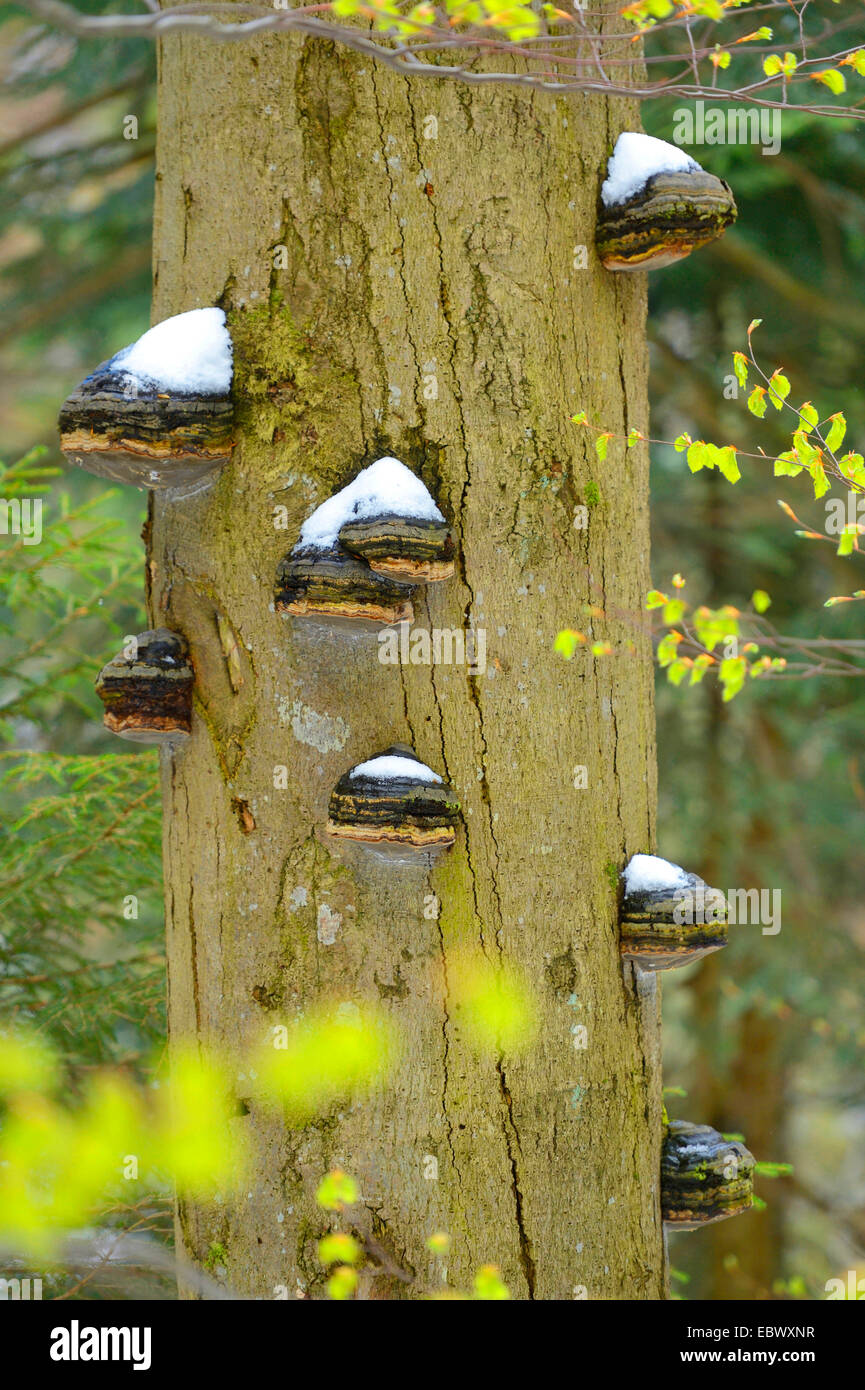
(147, 689)
(364, 550)
(395, 799)
(704, 1177)
(668, 917)
(657, 205)
(158, 414)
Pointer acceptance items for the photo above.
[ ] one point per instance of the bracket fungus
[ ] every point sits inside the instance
(668, 917)
(657, 205)
(364, 550)
(147, 689)
(333, 584)
(704, 1177)
(158, 414)
(393, 798)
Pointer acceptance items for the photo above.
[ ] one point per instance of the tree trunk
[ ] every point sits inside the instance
(427, 305)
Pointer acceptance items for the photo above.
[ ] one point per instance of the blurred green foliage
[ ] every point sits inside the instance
(768, 1037)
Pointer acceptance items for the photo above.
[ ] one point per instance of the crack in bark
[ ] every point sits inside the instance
(526, 1258)
(448, 1123)
(193, 936)
(438, 704)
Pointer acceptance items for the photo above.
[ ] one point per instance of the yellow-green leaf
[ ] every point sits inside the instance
(740, 367)
(831, 78)
(655, 599)
(339, 1248)
(837, 431)
(779, 389)
(567, 641)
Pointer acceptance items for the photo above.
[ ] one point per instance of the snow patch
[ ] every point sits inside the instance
(635, 160)
(386, 488)
(647, 872)
(189, 353)
(392, 768)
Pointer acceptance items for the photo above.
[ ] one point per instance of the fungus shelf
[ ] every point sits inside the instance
(393, 798)
(158, 414)
(147, 693)
(657, 205)
(704, 1177)
(668, 916)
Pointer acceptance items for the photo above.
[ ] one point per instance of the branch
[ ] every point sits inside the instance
(402, 38)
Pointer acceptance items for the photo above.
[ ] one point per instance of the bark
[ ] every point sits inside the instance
(411, 257)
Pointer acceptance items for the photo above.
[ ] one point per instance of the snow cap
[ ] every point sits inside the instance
(392, 768)
(648, 873)
(635, 160)
(190, 354)
(386, 488)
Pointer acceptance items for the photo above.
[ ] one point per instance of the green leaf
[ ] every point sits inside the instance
(760, 600)
(821, 482)
(678, 670)
(668, 648)
(488, 1284)
(601, 445)
(757, 402)
(697, 456)
(779, 389)
(681, 442)
(853, 467)
(342, 1283)
(804, 450)
(727, 463)
(732, 673)
(847, 540)
(339, 1248)
(831, 78)
(674, 611)
(567, 641)
(655, 599)
(740, 367)
(767, 1169)
(808, 414)
(336, 1190)
(700, 667)
(837, 431)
